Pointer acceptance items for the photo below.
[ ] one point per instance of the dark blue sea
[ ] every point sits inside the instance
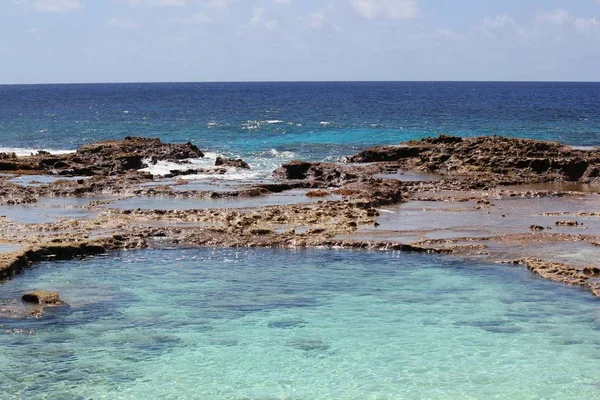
(311, 120)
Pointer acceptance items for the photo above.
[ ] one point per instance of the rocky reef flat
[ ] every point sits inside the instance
(517, 202)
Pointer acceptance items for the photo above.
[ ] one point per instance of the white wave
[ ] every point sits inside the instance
(209, 155)
(212, 124)
(26, 152)
(324, 123)
(261, 163)
(283, 154)
(256, 124)
(233, 174)
(162, 168)
(251, 124)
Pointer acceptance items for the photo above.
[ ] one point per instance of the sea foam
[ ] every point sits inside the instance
(19, 151)
(262, 164)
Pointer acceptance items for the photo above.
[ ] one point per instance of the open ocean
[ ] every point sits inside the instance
(285, 324)
(313, 121)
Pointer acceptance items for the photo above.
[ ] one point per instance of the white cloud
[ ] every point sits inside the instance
(193, 19)
(138, 3)
(587, 25)
(217, 3)
(257, 15)
(385, 9)
(438, 34)
(558, 17)
(580, 24)
(57, 5)
(314, 20)
(178, 3)
(258, 20)
(271, 25)
(499, 22)
(289, 2)
(121, 23)
(498, 26)
(449, 33)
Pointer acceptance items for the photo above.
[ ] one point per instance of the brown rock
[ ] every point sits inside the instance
(567, 223)
(230, 162)
(330, 174)
(43, 298)
(491, 158)
(103, 158)
(317, 193)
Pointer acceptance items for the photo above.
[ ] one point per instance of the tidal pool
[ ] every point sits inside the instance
(166, 203)
(306, 324)
(49, 209)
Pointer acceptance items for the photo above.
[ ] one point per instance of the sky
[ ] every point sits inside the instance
(75, 41)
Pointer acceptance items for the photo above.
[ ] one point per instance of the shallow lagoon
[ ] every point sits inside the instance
(310, 324)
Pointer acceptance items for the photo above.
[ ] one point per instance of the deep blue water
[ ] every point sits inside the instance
(311, 120)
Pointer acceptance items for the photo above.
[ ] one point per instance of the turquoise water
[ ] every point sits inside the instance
(311, 324)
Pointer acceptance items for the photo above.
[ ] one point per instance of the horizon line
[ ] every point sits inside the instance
(291, 81)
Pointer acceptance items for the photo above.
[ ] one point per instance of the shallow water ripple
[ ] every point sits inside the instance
(311, 324)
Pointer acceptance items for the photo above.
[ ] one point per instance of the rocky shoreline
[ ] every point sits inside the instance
(491, 198)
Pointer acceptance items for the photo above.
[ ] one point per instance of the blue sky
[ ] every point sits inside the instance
(265, 40)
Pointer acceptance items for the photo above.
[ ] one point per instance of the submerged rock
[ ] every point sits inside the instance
(42, 298)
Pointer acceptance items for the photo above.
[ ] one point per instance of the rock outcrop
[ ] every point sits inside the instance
(329, 174)
(42, 298)
(491, 158)
(346, 217)
(231, 162)
(108, 157)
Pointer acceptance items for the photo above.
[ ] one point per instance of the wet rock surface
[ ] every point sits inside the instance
(41, 297)
(231, 162)
(102, 158)
(469, 212)
(497, 160)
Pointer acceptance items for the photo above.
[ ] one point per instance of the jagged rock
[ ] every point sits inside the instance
(8, 156)
(103, 158)
(329, 173)
(151, 148)
(481, 159)
(376, 192)
(231, 162)
(317, 193)
(42, 298)
(386, 153)
(566, 223)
